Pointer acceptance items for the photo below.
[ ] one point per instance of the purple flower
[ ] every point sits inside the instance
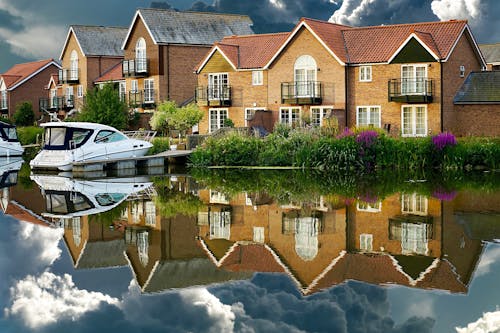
(347, 132)
(443, 140)
(444, 195)
(367, 138)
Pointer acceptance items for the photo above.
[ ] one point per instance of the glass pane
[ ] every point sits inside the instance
(375, 117)
(420, 120)
(55, 136)
(407, 121)
(362, 116)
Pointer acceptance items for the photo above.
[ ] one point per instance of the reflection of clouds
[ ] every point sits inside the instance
(489, 322)
(49, 298)
(42, 239)
(488, 259)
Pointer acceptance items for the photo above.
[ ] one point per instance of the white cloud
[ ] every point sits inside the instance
(488, 323)
(36, 41)
(49, 298)
(489, 258)
(45, 240)
(456, 9)
(351, 11)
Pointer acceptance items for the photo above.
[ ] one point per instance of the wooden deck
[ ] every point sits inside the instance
(150, 161)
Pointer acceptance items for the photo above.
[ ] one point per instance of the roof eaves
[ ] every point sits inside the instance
(476, 46)
(210, 54)
(131, 27)
(71, 30)
(52, 62)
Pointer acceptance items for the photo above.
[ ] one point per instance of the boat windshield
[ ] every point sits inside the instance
(9, 134)
(65, 138)
(60, 202)
(107, 136)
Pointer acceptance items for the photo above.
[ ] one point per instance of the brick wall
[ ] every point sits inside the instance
(476, 120)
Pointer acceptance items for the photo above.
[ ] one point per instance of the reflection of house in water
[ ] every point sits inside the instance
(408, 239)
(163, 252)
(245, 234)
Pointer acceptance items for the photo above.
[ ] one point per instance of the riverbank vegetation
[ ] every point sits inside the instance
(361, 151)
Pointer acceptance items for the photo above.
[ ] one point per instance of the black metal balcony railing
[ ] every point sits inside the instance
(4, 105)
(68, 75)
(56, 103)
(135, 67)
(142, 99)
(301, 92)
(410, 90)
(213, 96)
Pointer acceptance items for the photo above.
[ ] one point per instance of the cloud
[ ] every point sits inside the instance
(456, 9)
(489, 258)
(489, 322)
(43, 300)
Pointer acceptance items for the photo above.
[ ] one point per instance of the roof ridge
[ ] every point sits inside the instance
(258, 35)
(322, 21)
(407, 24)
(191, 11)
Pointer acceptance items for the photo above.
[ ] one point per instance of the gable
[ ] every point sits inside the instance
(217, 64)
(137, 30)
(413, 52)
(71, 44)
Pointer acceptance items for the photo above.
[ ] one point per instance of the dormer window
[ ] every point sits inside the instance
(140, 55)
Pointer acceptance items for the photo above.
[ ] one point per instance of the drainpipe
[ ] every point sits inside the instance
(346, 74)
(168, 72)
(441, 92)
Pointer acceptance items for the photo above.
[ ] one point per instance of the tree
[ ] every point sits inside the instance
(104, 106)
(24, 115)
(169, 117)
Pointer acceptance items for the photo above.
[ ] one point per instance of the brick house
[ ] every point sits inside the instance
(25, 83)
(88, 52)
(400, 77)
(491, 53)
(162, 47)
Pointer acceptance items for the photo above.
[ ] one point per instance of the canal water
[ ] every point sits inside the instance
(249, 251)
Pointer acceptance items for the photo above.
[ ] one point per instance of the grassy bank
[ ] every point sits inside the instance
(362, 152)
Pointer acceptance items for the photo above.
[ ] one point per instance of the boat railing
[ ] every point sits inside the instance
(141, 135)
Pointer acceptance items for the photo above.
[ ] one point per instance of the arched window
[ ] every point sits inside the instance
(73, 66)
(140, 55)
(306, 237)
(305, 75)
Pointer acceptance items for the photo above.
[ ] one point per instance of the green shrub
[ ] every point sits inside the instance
(160, 144)
(29, 134)
(24, 115)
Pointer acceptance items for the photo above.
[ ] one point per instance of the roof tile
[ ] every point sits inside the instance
(19, 72)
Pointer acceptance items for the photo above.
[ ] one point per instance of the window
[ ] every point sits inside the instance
(69, 96)
(150, 213)
(149, 96)
(79, 91)
(218, 86)
(365, 73)
(258, 234)
(4, 100)
(220, 224)
(257, 78)
(289, 116)
(414, 204)
(53, 98)
(368, 116)
(305, 76)
(414, 120)
(249, 113)
(140, 56)
(369, 207)
(366, 242)
(74, 65)
(122, 90)
(134, 86)
(413, 79)
(318, 113)
(462, 71)
(106, 136)
(217, 118)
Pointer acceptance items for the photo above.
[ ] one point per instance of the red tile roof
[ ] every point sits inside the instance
(19, 72)
(115, 73)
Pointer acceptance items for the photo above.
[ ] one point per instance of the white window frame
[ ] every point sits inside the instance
(290, 116)
(415, 204)
(134, 86)
(323, 111)
(366, 242)
(149, 89)
(70, 100)
(462, 71)
(250, 111)
(122, 89)
(258, 235)
(79, 91)
(221, 115)
(365, 73)
(305, 72)
(370, 109)
(413, 121)
(53, 98)
(369, 207)
(413, 88)
(257, 78)
(217, 86)
(73, 65)
(140, 56)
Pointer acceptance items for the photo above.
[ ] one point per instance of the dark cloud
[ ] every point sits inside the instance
(9, 21)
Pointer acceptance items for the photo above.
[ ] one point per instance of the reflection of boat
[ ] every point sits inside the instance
(68, 198)
(67, 143)
(9, 143)
(9, 167)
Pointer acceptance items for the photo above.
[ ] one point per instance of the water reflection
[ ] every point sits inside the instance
(183, 231)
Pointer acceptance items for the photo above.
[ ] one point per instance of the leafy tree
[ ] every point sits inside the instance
(24, 115)
(169, 117)
(104, 106)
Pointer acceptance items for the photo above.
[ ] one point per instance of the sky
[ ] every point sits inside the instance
(34, 30)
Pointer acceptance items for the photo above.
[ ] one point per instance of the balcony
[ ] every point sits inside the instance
(56, 103)
(410, 91)
(213, 96)
(301, 92)
(68, 75)
(145, 99)
(135, 68)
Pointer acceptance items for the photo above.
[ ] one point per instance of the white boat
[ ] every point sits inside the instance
(68, 198)
(9, 143)
(66, 143)
(9, 168)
